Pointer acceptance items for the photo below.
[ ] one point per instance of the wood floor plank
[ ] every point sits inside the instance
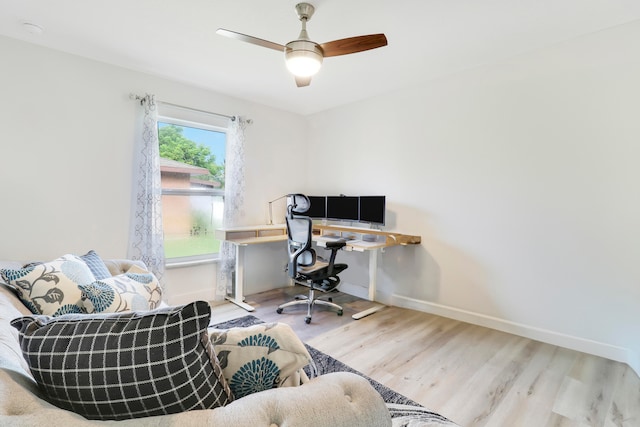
(534, 392)
(625, 405)
(476, 376)
(494, 378)
(587, 391)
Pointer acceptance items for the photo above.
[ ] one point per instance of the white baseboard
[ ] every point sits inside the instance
(186, 298)
(619, 354)
(355, 290)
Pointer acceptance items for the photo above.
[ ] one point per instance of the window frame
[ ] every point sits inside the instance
(170, 119)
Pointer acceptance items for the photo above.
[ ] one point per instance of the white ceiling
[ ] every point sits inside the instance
(176, 39)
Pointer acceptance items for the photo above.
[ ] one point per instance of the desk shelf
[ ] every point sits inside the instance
(253, 234)
(390, 238)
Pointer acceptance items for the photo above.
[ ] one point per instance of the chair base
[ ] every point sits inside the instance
(310, 301)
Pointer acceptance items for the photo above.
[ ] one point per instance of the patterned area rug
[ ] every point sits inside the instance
(404, 411)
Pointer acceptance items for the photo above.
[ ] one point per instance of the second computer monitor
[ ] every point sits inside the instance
(343, 208)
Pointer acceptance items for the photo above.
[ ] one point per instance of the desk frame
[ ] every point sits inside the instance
(241, 237)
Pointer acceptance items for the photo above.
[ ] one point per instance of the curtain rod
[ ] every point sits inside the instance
(140, 98)
(196, 110)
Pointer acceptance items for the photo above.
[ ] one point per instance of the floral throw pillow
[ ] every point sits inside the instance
(51, 288)
(260, 357)
(135, 290)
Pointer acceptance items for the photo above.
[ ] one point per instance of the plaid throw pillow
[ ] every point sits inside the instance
(125, 365)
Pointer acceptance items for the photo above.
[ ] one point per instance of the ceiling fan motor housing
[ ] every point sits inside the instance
(305, 11)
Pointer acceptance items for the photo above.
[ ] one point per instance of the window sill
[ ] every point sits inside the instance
(190, 262)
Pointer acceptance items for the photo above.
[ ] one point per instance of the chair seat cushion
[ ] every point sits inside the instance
(322, 272)
(313, 268)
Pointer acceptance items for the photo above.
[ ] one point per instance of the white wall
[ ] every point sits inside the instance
(522, 179)
(66, 148)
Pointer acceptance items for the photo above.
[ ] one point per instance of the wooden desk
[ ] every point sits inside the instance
(358, 239)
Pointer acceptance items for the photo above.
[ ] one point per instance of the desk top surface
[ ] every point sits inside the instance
(259, 227)
(249, 235)
(258, 240)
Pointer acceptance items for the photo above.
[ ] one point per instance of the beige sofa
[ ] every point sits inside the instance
(338, 399)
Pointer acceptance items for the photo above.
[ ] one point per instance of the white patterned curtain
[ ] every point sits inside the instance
(233, 201)
(146, 236)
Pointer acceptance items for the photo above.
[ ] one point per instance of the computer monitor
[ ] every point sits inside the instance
(342, 208)
(372, 209)
(318, 207)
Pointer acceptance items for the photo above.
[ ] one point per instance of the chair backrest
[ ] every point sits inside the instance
(300, 232)
(297, 204)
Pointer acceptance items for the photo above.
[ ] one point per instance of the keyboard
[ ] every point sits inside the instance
(330, 238)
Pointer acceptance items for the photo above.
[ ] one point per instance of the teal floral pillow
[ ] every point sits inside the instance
(51, 288)
(135, 290)
(260, 357)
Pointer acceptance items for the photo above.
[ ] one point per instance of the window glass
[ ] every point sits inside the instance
(192, 159)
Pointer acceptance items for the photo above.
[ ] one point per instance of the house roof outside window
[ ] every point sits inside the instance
(174, 166)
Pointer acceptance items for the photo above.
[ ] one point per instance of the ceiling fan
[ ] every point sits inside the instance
(304, 56)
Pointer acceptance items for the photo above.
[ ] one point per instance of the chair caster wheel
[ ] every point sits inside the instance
(340, 313)
(307, 320)
(279, 310)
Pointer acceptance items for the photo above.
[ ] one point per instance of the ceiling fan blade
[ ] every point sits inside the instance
(250, 39)
(303, 81)
(353, 45)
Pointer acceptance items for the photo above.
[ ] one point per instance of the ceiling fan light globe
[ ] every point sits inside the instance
(303, 66)
(303, 58)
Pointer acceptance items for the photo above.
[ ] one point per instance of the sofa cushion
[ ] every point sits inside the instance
(260, 357)
(96, 265)
(137, 289)
(125, 365)
(51, 288)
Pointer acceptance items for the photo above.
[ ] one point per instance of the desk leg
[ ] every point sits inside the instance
(373, 274)
(373, 281)
(238, 297)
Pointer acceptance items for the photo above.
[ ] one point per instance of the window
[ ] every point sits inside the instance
(192, 156)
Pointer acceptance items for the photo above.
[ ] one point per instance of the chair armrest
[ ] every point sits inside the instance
(334, 247)
(338, 244)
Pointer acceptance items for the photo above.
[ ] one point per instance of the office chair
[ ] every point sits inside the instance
(304, 266)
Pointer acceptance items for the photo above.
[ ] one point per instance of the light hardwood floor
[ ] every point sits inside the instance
(473, 375)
